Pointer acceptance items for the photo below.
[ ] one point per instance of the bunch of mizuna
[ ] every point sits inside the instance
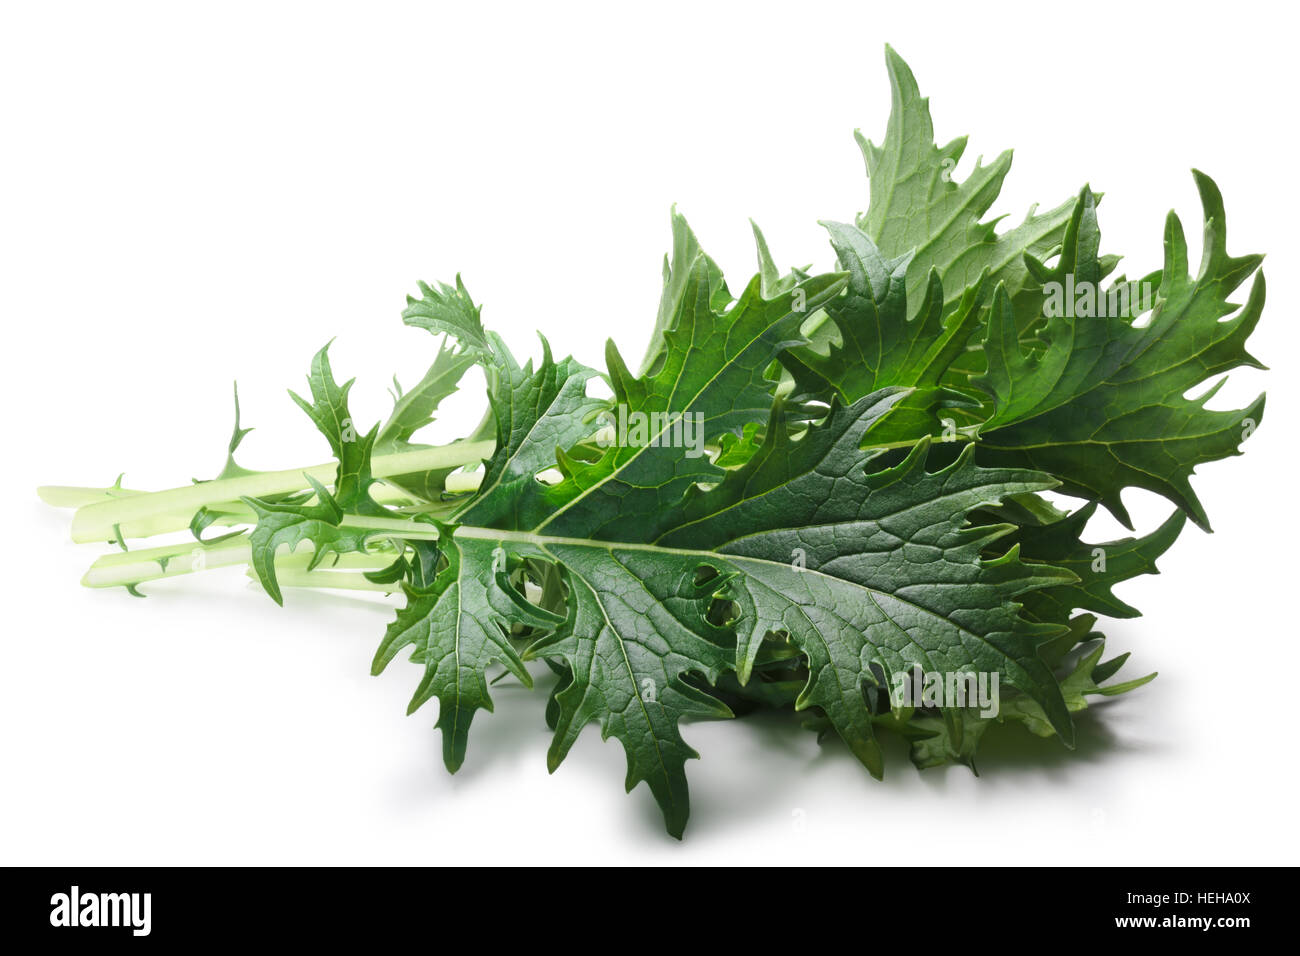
(877, 443)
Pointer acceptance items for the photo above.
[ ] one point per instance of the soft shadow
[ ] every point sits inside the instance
(1013, 750)
(751, 792)
(516, 725)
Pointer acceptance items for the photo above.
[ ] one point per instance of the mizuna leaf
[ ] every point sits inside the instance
(880, 345)
(1081, 683)
(292, 523)
(769, 275)
(636, 628)
(456, 631)
(936, 742)
(457, 628)
(709, 379)
(872, 569)
(687, 272)
(413, 408)
(536, 413)
(1101, 405)
(712, 366)
(1099, 567)
(917, 206)
(449, 309)
(892, 576)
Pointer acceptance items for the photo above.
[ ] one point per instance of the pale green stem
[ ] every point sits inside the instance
(133, 567)
(399, 528)
(337, 580)
(75, 496)
(136, 515)
(150, 564)
(464, 481)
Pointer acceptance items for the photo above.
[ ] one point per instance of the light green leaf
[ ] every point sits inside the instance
(290, 523)
(449, 309)
(917, 206)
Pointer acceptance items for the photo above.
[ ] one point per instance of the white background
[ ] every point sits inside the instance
(196, 195)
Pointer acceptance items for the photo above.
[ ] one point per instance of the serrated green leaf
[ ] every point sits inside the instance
(290, 523)
(687, 272)
(1077, 686)
(1102, 405)
(636, 628)
(457, 629)
(935, 742)
(710, 377)
(868, 568)
(916, 205)
(413, 409)
(449, 309)
(1098, 567)
(535, 412)
(880, 344)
